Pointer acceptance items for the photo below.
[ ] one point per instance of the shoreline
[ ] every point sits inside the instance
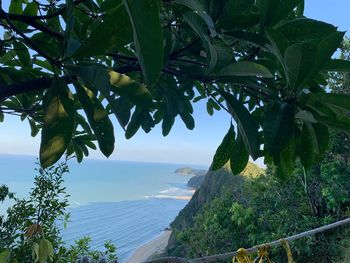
(155, 246)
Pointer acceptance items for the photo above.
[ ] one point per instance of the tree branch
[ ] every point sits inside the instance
(27, 20)
(26, 86)
(24, 18)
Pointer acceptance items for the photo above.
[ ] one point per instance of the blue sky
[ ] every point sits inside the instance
(181, 145)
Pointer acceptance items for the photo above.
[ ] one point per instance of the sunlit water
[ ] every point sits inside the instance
(125, 202)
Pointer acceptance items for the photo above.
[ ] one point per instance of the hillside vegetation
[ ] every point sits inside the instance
(228, 212)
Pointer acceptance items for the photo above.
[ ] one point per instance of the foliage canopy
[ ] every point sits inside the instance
(68, 66)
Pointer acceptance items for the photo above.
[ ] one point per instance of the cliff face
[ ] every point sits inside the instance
(215, 183)
(196, 181)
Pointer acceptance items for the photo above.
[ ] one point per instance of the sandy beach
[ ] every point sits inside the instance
(155, 246)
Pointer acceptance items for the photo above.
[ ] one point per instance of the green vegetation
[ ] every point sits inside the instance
(67, 67)
(30, 231)
(244, 211)
(255, 210)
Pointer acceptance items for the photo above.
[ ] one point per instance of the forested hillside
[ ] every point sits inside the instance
(229, 212)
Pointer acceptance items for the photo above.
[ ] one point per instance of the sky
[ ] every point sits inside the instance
(181, 145)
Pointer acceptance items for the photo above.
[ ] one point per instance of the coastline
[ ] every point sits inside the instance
(155, 246)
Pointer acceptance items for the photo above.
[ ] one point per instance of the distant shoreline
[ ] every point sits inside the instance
(153, 247)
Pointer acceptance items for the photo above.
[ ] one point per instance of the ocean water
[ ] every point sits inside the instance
(127, 203)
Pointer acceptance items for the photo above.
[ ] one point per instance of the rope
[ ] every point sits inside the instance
(230, 255)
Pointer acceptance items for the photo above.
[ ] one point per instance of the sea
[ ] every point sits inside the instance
(126, 203)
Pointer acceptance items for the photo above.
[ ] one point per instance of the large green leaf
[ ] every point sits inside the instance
(322, 135)
(95, 76)
(247, 125)
(299, 59)
(5, 256)
(249, 37)
(121, 108)
(197, 7)
(279, 43)
(138, 93)
(58, 123)
(194, 21)
(286, 160)
(148, 40)
(268, 9)
(337, 65)
(98, 119)
(310, 149)
(285, 7)
(110, 35)
(188, 120)
(239, 156)
(306, 30)
(273, 11)
(134, 123)
(167, 124)
(330, 99)
(244, 69)
(278, 126)
(46, 252)
(224, 151)
(22, 53)
(325, 49)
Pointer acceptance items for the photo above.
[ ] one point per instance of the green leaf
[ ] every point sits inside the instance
(15, 7)
(198, 8)
(167, 124)
(306, 30)
(237, 22)
(224, 151)
(247, 125)
(58, 123)
(273, 11)
(331, 99)
(278, 126)
(224, 54)
(108, 5)
(31, 9)
(279, 43)
(5, 256)
(337, 65)
(95, 76)
(322, 135)
(286, 160)
(34, 128)
(285, 7)
(249, 37)
(188, 120)
(239, 156)
(138, 93)
(244, 69)
(268, 9)
(148, 40)
(121, 108)
(325, 49)
(299, 59)
(112, 34)
(134, 123)
(310, 151)
(98, 119)
(194, 21)
(46, 252)
(22, 53)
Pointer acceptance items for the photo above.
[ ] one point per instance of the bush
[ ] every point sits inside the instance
(31, 229)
